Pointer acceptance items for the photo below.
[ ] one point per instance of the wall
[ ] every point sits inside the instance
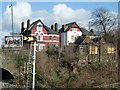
(95, 53)
(10, 65)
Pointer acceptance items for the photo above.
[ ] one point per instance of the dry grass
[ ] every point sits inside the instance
(52, 73)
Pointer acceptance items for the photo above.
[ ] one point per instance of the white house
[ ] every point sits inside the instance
(69, 33)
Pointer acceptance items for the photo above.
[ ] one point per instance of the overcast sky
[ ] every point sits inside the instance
(49, 13)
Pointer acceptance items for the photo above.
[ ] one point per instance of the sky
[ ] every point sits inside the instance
(50, 13)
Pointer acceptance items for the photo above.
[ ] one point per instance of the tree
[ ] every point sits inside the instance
(110, 37)
(104, 20)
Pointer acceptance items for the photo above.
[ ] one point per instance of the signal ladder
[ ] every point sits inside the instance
(29, 69)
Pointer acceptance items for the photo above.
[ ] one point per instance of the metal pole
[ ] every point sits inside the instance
(12, 20)
(33, 86)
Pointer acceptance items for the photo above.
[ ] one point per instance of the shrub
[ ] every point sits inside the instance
(52, 50)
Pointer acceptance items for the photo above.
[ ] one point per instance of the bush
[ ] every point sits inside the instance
(52, 50)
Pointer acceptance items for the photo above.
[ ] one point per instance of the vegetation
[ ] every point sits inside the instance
(65, 73)
(104, 20)
(19, 56)
(52, 50)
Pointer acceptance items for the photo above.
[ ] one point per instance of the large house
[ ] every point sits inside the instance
(71, 32)
(45, 35)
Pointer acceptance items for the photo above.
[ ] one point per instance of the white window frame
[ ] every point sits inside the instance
(39, 28)
(41, 37)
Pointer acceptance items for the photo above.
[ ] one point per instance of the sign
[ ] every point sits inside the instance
(25, 38)
(13, 41)
(29, 38)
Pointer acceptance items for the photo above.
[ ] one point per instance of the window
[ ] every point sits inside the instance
(74, 29)
(93, 50)
(41, 38)
(39, 28)
(50, 38)
(72, 38)
(75, 37)
(54, 38)
(110, 50)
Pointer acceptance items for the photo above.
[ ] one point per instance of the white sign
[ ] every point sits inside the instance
(13, 41)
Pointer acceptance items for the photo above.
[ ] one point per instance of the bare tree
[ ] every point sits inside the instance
(104, 20)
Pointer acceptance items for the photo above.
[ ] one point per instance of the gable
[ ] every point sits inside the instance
(41, 30)
(39, 24)
(45, 31)
(74, 26)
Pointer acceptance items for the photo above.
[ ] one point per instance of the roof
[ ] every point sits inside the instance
(32, 26)
(86, 32)
(67, 27)
(87, 40)
(49, 30)
(83, 39)
(79, 39)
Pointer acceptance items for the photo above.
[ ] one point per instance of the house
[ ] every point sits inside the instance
(45, 35)
(69, 33)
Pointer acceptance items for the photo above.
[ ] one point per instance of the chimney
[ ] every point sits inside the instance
(22, 27)
(56, 27)
(52, 27)
(28, 23)
(62, 28)
(92, 31)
